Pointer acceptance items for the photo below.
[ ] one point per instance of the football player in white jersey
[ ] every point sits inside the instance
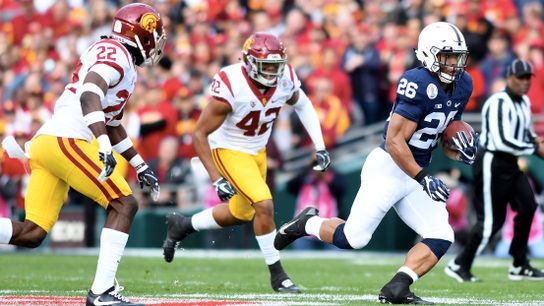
(230, 138)
(61, 154)
(393, 175)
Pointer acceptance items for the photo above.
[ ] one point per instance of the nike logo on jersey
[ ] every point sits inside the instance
(457, 104)
(97, 301)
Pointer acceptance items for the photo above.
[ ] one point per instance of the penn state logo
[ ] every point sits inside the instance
(448, 103)
(432, 91)
(149, 22)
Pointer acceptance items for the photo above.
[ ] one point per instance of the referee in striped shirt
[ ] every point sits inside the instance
(506, 134)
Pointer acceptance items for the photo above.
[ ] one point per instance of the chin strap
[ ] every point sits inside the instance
(445, 80)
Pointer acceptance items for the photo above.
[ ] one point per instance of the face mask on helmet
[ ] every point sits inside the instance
(140, 26)
(442, 49)
(264, 58)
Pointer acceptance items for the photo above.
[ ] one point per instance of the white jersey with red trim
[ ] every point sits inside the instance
(248, 127)
(113, 62)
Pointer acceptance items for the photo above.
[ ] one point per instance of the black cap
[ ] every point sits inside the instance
(519, 68)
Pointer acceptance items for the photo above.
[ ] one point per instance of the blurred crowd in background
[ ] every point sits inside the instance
(347, 53)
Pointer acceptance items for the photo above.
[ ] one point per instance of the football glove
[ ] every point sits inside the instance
(224, 189)
(322, 160)
(109, 164)
(467, 148)
(435, 188)
(149, 180)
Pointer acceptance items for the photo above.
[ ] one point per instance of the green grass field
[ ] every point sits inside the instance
(328, 278)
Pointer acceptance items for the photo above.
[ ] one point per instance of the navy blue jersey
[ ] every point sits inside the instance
(422, 99)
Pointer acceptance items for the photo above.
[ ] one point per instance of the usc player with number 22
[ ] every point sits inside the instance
(61, 154)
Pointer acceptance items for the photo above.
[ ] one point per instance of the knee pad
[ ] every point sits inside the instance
(339, 239)
(438, 246)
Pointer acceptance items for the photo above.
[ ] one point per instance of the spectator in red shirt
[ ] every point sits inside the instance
(536, 92)
(330, 69)
(157, 120)
(333, 117)
(21, 24)
(188, 114)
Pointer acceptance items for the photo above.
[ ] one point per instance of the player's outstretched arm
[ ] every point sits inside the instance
(308, 116)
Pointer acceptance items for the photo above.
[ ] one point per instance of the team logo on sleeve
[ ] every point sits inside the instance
(285, 83)
(149, 22)
(432, 91)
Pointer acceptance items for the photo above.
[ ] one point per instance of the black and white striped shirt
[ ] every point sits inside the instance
(507, 125)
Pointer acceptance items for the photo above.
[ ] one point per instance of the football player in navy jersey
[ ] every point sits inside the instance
(393, 176)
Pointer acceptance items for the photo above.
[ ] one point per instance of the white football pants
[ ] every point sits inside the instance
(385, 185)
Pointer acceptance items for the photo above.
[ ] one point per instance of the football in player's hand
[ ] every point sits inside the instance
(451, 131)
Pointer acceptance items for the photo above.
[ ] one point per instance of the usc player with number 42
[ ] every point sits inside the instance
(230, 138)
(61, 155)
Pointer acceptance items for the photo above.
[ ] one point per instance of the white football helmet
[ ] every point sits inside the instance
(442, 37)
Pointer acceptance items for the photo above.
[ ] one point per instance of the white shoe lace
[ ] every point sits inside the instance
(116, 293)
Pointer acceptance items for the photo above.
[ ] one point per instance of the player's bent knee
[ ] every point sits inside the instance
(244, 215)
(32, 236)
(245, 218)
(264, 208)
(127, 206)
(339, 239)
(438, 246)
(34, 241)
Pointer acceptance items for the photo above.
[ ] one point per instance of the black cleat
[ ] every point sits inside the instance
(178, 228)
(283, 284)
(111, 296)
(407, 299)
(294, 229)
(525, 272)
(399, 293)
(459, 273)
